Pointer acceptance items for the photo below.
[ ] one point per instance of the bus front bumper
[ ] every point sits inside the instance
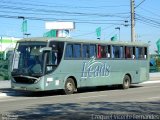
(27, 87)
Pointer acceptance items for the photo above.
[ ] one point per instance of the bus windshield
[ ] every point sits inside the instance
(28, 60)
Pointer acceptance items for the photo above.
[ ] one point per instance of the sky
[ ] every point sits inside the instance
(87, 15)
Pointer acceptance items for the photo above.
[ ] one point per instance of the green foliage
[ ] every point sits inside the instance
(4, 70)
(156, 66)
(1, 55)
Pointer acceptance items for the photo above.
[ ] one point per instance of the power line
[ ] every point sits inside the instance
(140, 4)
(49, 19)
(92, 32)
(59, 6)
(148, 21)
(153, 20)
(63, 12)
(153, 13)
(99, 23)
(35, 13)
(49, 12)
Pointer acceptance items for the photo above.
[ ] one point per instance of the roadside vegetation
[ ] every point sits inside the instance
(4, 74)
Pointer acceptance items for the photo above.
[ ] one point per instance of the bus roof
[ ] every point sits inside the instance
(46, 39)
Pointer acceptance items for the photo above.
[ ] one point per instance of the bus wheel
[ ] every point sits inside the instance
(126, 82)
(69, 86)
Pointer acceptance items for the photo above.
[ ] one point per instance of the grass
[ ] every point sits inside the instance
(4, 70)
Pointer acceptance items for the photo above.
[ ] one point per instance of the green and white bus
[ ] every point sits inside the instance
(42, 64)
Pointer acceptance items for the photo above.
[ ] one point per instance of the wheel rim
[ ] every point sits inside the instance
(69, 86)
(126, 83)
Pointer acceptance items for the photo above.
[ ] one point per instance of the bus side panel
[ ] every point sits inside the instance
(66, 69)
(77, 69)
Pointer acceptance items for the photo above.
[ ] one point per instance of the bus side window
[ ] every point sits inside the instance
(99, 52)
(139, 53)
(69, 51)
(117, 52)
(77, 50)
(54, 58)
(134, 54)
(128, 52)
(145, 53)
(108, 51)
(85, 52)
(51, 58)
(113, 52)
(103, 52)
(121, 53)
(57, 51)
(49, 62)
(92, 50)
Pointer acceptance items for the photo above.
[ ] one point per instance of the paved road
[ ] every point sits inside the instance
(139, 101)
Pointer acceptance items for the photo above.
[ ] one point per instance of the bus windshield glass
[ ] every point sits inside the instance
(28, 60)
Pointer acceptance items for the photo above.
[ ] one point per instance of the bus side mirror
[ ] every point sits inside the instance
(45, 49)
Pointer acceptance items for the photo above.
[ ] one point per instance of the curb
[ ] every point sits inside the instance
(7, 94)
(5, 84)
(150, 82)
(3, 95)
(154, 78)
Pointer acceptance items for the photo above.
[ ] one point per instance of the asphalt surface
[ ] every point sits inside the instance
(141, 100)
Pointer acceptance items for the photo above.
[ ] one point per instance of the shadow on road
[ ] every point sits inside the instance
(20, 93)
(89, 111)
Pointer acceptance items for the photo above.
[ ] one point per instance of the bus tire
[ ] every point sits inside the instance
(69, 87)
(126, 82)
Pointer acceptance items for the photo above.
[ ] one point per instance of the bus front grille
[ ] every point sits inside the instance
(24, 80)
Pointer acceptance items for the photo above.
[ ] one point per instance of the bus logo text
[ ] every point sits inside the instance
(95, 68)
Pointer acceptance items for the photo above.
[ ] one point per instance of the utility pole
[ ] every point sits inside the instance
(132, 22)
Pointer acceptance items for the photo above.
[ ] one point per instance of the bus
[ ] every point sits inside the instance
(43, 64)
